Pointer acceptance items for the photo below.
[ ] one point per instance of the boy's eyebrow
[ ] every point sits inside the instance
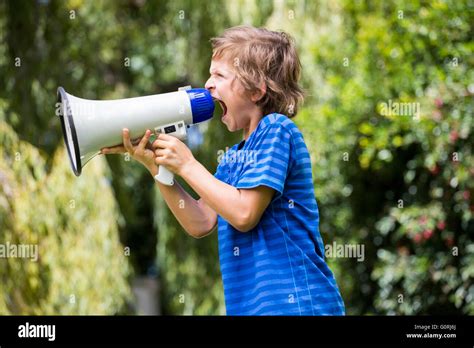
(216, 70)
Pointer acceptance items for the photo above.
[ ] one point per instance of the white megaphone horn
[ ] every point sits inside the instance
(90, 125)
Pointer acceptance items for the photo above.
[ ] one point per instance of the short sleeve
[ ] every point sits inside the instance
(270, 162)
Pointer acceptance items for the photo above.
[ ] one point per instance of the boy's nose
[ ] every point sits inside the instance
(209, 84)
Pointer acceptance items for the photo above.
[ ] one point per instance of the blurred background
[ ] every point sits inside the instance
(400, 185)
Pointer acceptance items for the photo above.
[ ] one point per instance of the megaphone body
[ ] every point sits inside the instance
(90, 125)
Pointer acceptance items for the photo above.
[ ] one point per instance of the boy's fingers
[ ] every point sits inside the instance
(159, 144)
(112, 150)
(126, 141)
(164, 137)
(144, 140)
(160, 152)
(158, 160)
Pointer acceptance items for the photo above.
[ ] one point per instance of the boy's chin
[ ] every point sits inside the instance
(230, 125)
(231, 128)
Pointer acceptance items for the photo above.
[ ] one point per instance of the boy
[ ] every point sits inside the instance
(262, 195)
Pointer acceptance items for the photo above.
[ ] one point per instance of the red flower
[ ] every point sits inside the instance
(453, 136)
(441, 225)
(427, 234)
(434, 170)
(438, 102)
(417, 238)
(466, 194)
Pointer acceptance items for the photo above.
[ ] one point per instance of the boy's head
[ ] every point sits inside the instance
(254, 69)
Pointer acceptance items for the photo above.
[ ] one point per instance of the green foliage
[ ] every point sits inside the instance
(81, 266)
(189, 268)
(401, 185)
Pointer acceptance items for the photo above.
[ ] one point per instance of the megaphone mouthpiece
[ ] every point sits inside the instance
(202, 104)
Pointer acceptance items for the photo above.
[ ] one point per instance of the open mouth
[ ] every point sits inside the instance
(223, 106)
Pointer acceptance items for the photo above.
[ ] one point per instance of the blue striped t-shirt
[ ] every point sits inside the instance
(278, 267)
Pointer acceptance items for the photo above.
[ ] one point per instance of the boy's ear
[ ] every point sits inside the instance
(259, 93)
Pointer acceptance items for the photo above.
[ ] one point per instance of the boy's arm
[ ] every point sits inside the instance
(195, 216)
(242, 208)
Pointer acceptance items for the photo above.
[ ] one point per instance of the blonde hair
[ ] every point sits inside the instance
(260, 56)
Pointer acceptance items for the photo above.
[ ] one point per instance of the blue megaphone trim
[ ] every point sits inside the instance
(202, 105)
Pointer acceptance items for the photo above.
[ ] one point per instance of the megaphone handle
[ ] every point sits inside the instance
(165, 176)
(178, 130)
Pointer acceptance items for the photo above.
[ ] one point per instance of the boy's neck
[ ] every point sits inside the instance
(253, 124)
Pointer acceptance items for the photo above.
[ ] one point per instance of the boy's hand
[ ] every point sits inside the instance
(142, 152)
(172, 153)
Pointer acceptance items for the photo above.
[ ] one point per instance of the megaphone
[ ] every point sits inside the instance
(90, 125)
